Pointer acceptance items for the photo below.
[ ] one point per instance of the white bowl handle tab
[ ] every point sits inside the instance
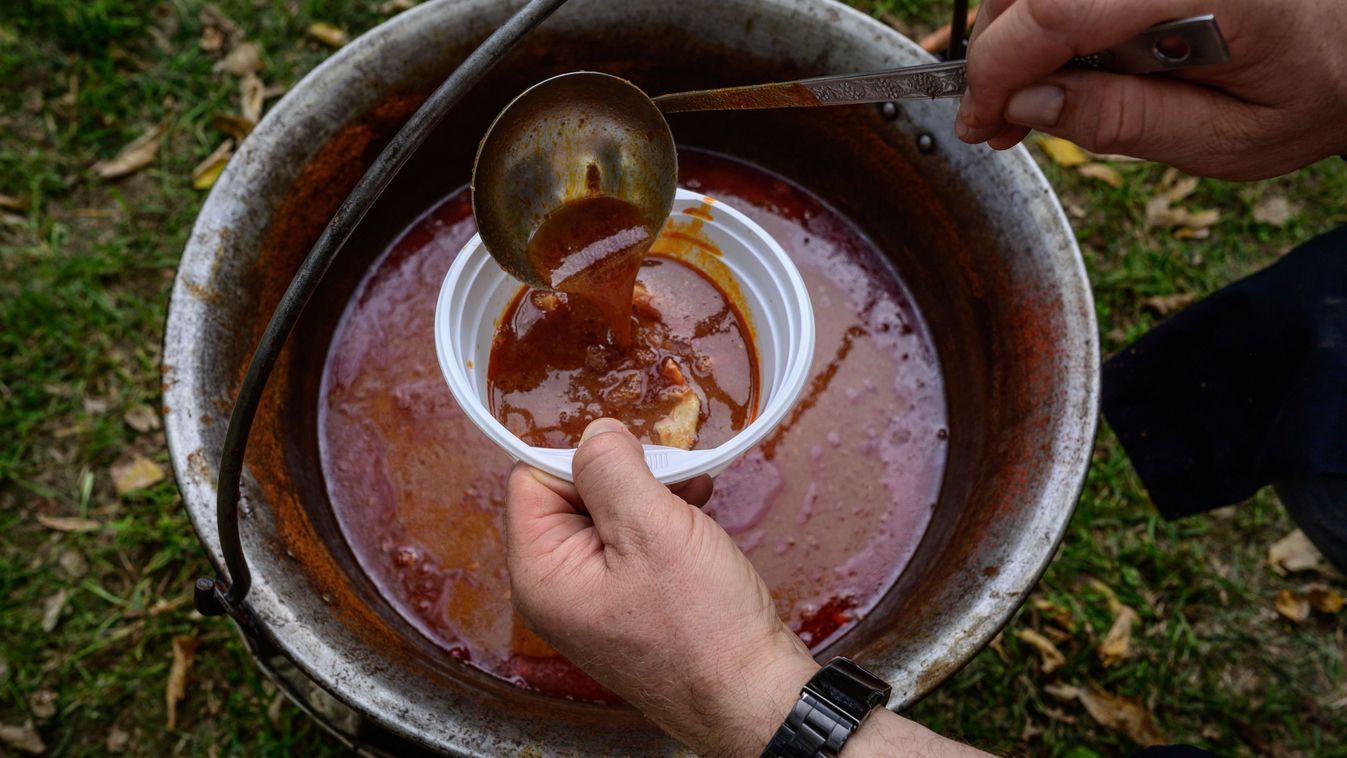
(670, 465)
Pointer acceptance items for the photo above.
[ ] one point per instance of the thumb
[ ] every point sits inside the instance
(628, 505)
(1180, 124)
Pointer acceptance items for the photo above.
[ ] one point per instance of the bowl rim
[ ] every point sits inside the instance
(669, 465)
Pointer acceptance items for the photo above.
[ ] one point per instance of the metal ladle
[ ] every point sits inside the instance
(544, 148)
(563, 139)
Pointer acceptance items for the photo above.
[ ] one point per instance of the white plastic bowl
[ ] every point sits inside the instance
(477, 291)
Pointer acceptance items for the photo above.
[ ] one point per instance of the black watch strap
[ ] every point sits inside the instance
(831, 707)
(813, 728)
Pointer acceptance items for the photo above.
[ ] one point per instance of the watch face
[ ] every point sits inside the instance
(849, 687)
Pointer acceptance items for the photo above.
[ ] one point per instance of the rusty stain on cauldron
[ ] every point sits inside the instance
(320, 188)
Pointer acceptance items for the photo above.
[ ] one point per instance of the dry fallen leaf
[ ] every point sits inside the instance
(328, 34)
(999, 648)
(1179, 189)
(1101, 172)
(1114, 604)
(59, 390)
(1168, 178)
(135, 473)
(43, 704)
(160, 39)
(1117, 644)
(396, 6)
(51, 610)
(68, 523)
(142, 418)
(218, 31)
(14, 202)
(208, 170)
(24, 739)
(1121, 714)
(1291, 605)
(1275, 210)
(1114, 157)
(1062, 152)
(184, 650)
(252, 94)
(1167, 304)
(276, 710)
(1202, 219)
(212, 39)
(117, 740)
(1052, 611)
(237, 127)
(1056, 635)
(1052, 657)
(1029, 732)
(1323, 598)
(1293, 553)
(244, 59)
(165, 605)
(72, 563)
(135, 156)
(1159, 213)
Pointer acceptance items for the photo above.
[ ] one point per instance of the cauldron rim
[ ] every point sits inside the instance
(194, 442)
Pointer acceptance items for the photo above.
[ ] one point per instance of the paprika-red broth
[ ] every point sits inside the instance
(829, 508)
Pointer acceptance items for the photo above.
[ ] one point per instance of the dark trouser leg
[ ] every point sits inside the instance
(1318, 505)
(1245, 389)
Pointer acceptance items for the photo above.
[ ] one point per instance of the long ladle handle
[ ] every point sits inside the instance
(1171, 46)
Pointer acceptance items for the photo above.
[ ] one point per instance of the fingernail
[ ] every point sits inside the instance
(963, 120)
(547, 480)
(601, 426)
(1037, 106)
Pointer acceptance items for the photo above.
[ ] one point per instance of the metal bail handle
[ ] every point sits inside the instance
(217, 597)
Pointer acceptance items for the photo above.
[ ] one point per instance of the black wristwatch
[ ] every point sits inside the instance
(831, 707)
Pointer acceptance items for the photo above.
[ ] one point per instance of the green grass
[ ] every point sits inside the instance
(85, 273)
(1214, 662)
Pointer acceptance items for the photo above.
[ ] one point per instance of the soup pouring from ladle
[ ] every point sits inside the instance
(587, 134)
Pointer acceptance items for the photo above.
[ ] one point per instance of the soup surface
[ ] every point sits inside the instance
(829, 508)
(689, 377)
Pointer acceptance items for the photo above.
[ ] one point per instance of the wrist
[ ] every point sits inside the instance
(754, 697)
(782, 684)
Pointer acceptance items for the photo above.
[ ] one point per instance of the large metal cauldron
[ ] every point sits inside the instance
(979, 238)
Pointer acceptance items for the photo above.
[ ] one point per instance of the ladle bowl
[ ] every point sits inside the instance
(565, 138)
